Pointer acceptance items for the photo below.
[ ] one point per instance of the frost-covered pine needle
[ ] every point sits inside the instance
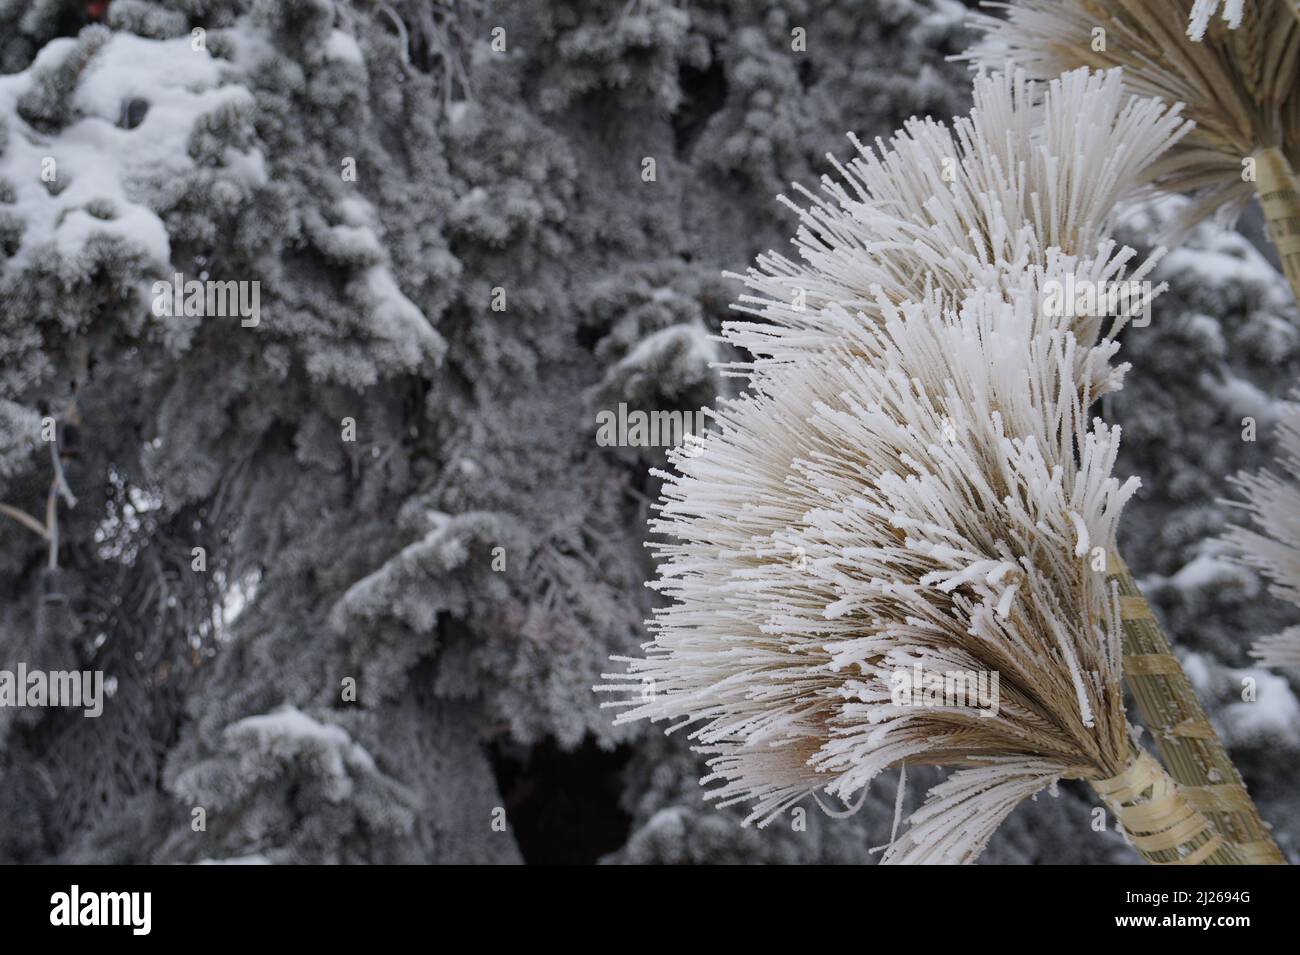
(1272, 546)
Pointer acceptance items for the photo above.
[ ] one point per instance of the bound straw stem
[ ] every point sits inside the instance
(1157, 818)
(1276, 187)
(1188, 744)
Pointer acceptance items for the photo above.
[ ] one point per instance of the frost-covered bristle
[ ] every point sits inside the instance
(1033, 173)
(1237, 85)
(1203, 11)
(924, 508)
(962, 812)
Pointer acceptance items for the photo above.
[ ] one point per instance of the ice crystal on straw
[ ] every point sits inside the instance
(939, 210)
(1204, 10)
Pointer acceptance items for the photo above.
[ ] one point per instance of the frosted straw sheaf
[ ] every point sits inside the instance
(924, 507)
(1239, 86)
(912, 480)
(1272, 544)
(1035, 173)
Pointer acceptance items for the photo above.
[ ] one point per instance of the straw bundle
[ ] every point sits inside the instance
(912, 486)
(1272, 545)
(915, 510)
(1238, 85)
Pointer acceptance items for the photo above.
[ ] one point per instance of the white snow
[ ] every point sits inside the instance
(290, 723)
(1243, 398)
(344, 48)
(457, 112)
(237, 860)
(160, 71)
(96, 160)
(1273, 716)
(691, 339)
(1197, 672)
(1233, 259)
(287, 732)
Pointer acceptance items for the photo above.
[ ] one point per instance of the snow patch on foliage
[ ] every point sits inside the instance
(105, 173)
(288, 733)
